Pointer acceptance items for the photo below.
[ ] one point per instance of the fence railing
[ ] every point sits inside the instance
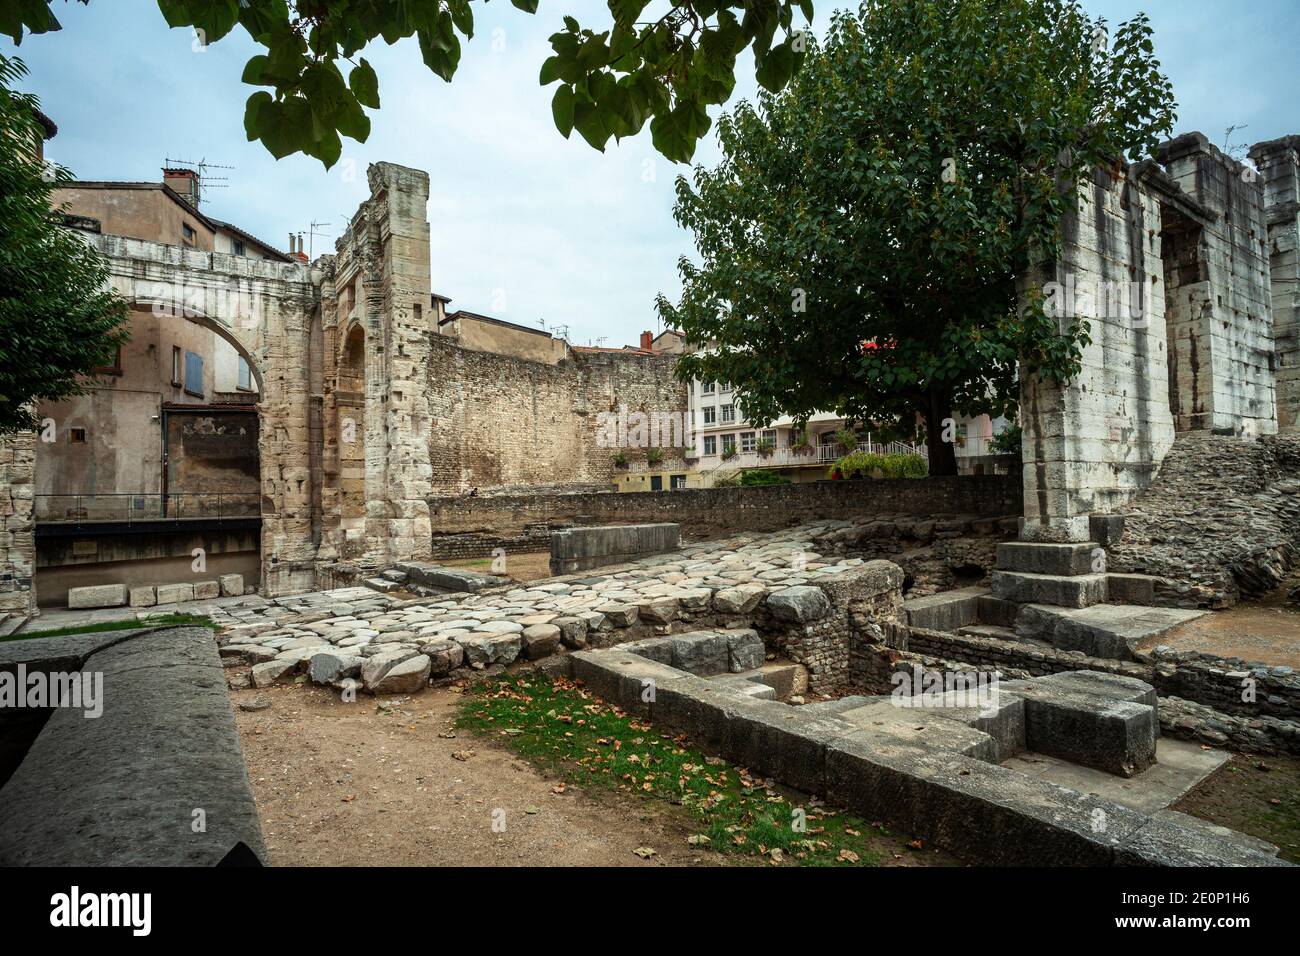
(128, 507)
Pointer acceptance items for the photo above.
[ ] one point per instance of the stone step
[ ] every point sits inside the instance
(1035, 557)
(945, 612)
(990, 630)
(924, 726)
(1071, 591)
(11, 622)
(997, 611)
(1112, 631)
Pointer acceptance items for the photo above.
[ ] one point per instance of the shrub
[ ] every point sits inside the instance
(729, 452)
(765, 448)
(757, 477)
(868, 464)
(620, 460)
(847, 439)
(653, 456)
(1007, 441)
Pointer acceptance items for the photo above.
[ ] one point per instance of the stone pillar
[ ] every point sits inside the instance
(18, 532)
(1090, 445)
(1278, 162)
(1220, 318)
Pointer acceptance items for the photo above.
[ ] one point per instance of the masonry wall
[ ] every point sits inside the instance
(1279, 165)
(1221, 367)
(705, 512)
(497, 421)
(1090, 446)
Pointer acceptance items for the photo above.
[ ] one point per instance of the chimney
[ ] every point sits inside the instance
(647, 340)
(183, 182)
(295, 248)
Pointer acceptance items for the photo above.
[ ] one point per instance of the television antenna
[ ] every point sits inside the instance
(312, 234)
(206, 180)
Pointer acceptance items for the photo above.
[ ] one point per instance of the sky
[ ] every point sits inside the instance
(526, 226)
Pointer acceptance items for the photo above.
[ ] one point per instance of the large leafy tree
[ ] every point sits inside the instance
(58, 318)
(656, 61)
(860, 240)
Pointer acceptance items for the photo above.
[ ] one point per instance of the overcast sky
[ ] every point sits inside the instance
(526, 225)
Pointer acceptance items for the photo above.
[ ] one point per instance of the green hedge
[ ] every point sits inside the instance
(869, 464)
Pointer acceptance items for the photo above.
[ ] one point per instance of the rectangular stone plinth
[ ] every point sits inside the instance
(97, 595)
(1049, 558)
(578, 549)
(1083, 590)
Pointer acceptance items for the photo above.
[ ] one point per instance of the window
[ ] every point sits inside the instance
(113, 369)
(710, 444)
(76, 436)
(245, 375)
(677, 482)
(724, 387)
(707, 388)
(187, 231)
(194, 374)
(710, 415)
(747, 441)
(728, 444)
(769, 435)
(239, 247)
(176, 366)
(728, 413)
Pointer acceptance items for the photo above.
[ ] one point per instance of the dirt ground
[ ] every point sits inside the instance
(341, 784)
(1266, 631)
(522, 567)
(1256, 795)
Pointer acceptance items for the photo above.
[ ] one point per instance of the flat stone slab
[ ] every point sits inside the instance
(947, 611)
(1073, 591)
(97, 595)
(921, 726)
(1180, 765)
(1043, 557)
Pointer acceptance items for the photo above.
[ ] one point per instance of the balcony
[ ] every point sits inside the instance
(72, 514)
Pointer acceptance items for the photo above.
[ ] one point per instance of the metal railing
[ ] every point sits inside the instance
(123, 506)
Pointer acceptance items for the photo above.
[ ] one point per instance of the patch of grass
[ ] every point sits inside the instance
(156, 620)
(564, 729)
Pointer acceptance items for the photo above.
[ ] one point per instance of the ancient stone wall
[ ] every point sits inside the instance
(1089, 446)
(706, 512)
(1218, 308)
(18, 531)
(497, 420)
(1279, 165)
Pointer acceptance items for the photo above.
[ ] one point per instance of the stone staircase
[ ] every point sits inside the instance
(1056, 595)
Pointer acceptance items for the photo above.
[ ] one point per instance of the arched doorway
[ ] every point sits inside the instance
(350, 408)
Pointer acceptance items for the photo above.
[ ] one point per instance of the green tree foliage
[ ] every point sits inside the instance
(860, 239)
(665, 70)
(58, 319)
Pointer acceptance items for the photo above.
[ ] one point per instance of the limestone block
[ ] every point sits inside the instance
(97, 595)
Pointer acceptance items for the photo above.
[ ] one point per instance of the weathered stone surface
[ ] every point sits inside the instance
(738, 600)
(378, 665)
(800, 604)
(175, 593)
(326, 668)
(573, 631)
(144, 596)
(444, 654)
(482, 650)
(406, 677)
(206, 590)
(619, 615)
(97, 595)
(274, 672)
(231, 584)
(540, 640)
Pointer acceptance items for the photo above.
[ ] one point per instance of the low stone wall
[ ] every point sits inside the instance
(157, 779)
(580, 549)
(979, 810)
(712, 512)
(1251, 690)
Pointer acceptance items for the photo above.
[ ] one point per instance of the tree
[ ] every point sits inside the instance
(860, 240)
(666, 70)
(58, 318)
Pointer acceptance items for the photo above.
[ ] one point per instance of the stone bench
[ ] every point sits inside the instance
(157, 780)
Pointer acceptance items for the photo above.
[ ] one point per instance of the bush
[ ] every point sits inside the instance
(653, 456)
(758, 477)
(1007, 441)
(869, 464)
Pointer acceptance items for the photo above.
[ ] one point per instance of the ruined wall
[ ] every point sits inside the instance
(1279, 165)
(1220, 324)
(212, 451)
(499, 421)
(1091, 445)
(17, 525)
